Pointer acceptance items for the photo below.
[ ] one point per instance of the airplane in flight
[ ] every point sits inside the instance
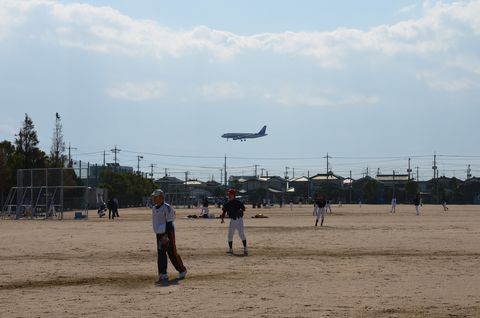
(245, 136)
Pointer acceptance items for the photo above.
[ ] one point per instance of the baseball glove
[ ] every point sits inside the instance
(164, 241)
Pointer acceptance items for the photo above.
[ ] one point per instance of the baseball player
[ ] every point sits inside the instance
(320, 210)
(328, 207)
(394, 205)
(417, 202)
(162, 219)
(444, 204)
(234, 209)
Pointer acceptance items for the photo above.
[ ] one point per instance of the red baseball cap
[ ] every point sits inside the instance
(232, 191)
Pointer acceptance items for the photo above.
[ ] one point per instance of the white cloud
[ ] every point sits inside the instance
(138, 92)
(468, 64)
(221, 91)
(291, 96)
(107, 30)
(442, 82)
(407, 9)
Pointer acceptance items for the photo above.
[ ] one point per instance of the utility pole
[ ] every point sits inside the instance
(166, 174)
(262, 171)
(286, 177)
(351, 182)
(378, 171)
(115, 151)
(328, 166)
(469, 172)
(293, 173)
(186, 187)
(435, 173)
(70, 163)
(225, 170)
(104, 158)
(151, 170)
(221, 175)
(394, 183)
(138, 163)
(256, 170)
(409, 171)
(417, 173)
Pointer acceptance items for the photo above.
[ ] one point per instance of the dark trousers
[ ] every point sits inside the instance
(170, 250)
(111, 214)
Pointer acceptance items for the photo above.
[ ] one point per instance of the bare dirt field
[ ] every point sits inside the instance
(365, 262)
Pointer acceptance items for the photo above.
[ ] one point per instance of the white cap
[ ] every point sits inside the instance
(158, 192)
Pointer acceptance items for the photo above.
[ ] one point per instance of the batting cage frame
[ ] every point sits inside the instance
(46, 193)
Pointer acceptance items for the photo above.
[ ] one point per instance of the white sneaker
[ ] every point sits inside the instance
(230, 251)
(182, 275)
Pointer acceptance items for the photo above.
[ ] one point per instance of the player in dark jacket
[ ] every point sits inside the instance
(234, 209)
(319, 210)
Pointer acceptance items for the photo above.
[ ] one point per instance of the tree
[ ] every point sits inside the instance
(370, 190)
(129, 188)
(411, 187)
(7, 168)
(219, 192)
(26, 146)
(57, 156)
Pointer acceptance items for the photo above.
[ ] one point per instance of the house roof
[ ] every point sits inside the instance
(274, 190)
(193, 182)
(168, 179)
(325, 177)
(391, 177)
(300, 179)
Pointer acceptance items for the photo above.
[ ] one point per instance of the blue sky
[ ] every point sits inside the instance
(370, 82)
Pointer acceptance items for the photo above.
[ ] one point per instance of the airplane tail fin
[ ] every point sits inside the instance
(262, 131)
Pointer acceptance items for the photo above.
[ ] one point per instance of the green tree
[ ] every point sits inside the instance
(8, 160)
(411, 188)
(219, 192)
(30, 155)
(129, 188)
(370, 190)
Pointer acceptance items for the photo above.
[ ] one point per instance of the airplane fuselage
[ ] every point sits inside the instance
(245, 136)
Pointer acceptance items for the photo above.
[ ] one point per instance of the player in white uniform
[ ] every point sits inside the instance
(394, 205)
(328, 207)
(162, 220)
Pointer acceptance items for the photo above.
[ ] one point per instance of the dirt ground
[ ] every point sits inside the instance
(365, 262)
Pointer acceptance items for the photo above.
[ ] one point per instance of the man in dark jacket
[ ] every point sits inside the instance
(234, 209)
